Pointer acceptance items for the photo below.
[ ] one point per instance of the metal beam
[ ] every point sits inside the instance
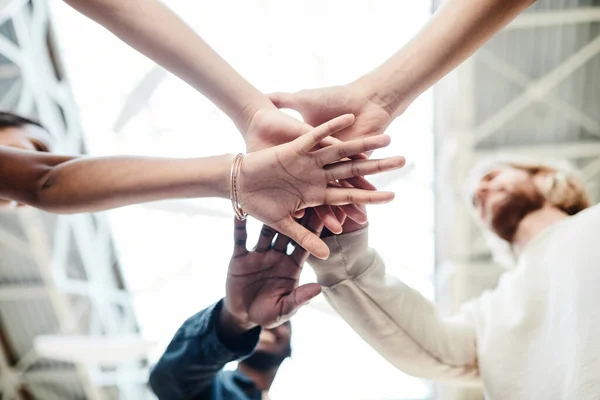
(15, 243)
(11, 96)
(591, 170)
(92, 289)
(9, 379)
(9, 7)
(30, 221)
(554, 18)
(511, 74)
(113, 378)
(564, 150)
(536, 90)
(9, 71)
(22, 292)
(11, 51)
(50, 375)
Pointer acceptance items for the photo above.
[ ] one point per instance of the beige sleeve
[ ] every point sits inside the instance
(397, 321)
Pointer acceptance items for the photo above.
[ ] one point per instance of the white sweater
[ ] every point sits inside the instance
(536, 336)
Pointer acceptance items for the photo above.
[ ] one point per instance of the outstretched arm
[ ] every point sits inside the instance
(68, 184)
(202, 346)
(155, 31)
(455, 32)
(272, 185)
(396, 320)
(262, 290)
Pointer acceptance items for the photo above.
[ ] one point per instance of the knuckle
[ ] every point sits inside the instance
(355, 169)
(349, 197)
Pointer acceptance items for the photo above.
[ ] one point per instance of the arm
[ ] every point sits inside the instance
(67, 184)
(155, 31)
(262, 289)
(272, 184)
(455, 32)
(174, 45)
(198, 351)
(394, 319)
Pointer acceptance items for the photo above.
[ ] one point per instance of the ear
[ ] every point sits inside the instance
(555, 188)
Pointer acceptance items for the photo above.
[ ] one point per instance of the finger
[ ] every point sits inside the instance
(281, 243)
(329, 219)
(299, 214)
(330, 140)
(283, 100)
(361, 156)
(340, 213)
(359, 182)
(340, 196)
(339, 151)
(313, 223)
(304, 238)
(265, 239)
(313, 137)
(349, 169)
(354, 212)
(298, 298)
(240, 235)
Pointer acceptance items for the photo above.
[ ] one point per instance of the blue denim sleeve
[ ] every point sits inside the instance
(195, 355)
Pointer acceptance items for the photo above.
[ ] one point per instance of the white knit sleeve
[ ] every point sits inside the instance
(396, 320)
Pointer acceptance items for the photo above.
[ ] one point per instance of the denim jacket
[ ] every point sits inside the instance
(192, 366)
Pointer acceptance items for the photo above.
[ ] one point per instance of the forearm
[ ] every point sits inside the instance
(455, 32)
(69, 185)
(230, 328)
(397, 321)
(196, 354)
(154, 30)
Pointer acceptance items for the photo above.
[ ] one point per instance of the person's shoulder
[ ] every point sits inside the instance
(588, 218)
(590, 211)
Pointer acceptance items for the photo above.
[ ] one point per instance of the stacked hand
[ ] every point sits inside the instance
(276, 183)
(320, 105)
(269, 126)
(262, 284)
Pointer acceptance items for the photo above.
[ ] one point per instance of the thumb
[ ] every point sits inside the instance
(285, 100)
(300, 297)
(303, 237)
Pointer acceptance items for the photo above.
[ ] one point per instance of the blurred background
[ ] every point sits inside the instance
(89, 302)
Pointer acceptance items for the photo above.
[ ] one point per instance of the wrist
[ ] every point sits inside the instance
(378, 88)
(250, 168)
(250, 110)
(231, 325)
(221, 176)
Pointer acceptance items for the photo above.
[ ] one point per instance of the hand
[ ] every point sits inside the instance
(349, 225)
(276, 183)
(270, 127)
(262, 285)
(320, 105)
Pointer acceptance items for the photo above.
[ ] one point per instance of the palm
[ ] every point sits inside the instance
(271, 127)
(319, 105)
(282, 191)
(261, 282)
(262, 285)
(276, 183)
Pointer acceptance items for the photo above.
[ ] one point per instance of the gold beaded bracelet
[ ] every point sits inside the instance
(236, 167)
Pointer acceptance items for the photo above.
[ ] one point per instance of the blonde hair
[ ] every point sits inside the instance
(562, 187)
